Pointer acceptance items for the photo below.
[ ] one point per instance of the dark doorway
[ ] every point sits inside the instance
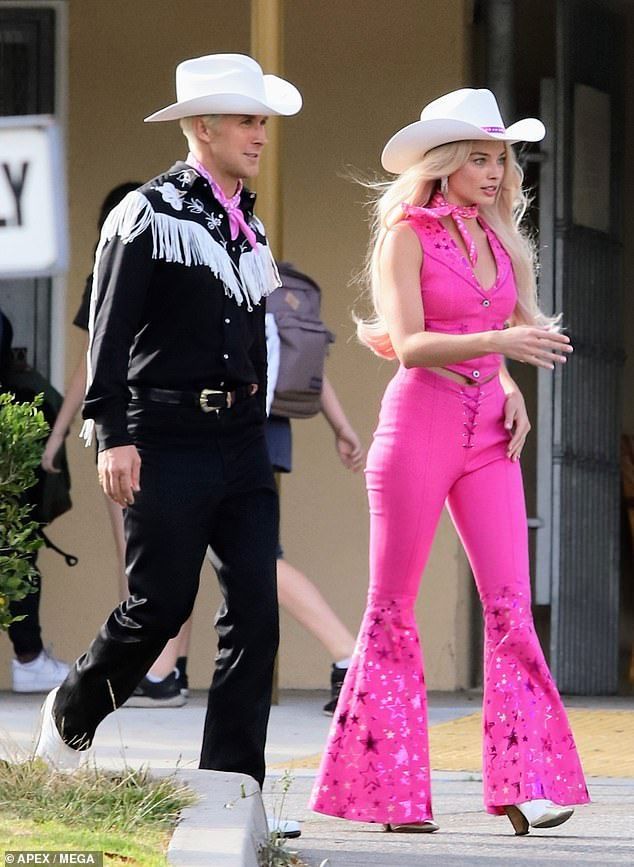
(566, 61)
(27, 86)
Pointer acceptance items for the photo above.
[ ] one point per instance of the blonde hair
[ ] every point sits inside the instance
(187, 125)
(416, 187)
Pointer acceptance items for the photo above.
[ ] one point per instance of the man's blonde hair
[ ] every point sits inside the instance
(187, 124)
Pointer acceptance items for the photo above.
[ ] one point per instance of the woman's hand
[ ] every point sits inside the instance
(516, 422)
(532, 345)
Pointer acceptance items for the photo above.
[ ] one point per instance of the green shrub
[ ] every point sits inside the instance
(22, 428)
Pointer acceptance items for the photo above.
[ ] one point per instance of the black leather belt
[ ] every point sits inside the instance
(207, 400)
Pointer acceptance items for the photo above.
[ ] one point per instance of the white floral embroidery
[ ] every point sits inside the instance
(171, 195)
(195, 206)
(213, 220)
(185, 177)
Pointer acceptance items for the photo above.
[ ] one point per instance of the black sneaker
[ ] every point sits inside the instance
(165, 693)
(337, 677)
(183, 682)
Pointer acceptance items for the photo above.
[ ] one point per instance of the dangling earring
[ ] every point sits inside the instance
(444, 185)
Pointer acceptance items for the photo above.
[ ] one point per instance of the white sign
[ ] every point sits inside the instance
(33, 219)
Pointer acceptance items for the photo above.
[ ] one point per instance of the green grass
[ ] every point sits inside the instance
(145, 850)
(127, 815)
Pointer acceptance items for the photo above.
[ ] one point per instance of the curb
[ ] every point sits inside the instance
(210, 832)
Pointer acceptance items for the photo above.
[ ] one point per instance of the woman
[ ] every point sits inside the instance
(454, 294)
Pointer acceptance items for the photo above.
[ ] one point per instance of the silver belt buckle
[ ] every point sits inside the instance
(202, 400)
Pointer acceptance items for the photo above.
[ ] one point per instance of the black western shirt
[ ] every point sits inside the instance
(178, 304)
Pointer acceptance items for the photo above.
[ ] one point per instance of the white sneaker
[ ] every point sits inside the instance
(537, 814)
(288, 828)
(50, 746)
(40, 675)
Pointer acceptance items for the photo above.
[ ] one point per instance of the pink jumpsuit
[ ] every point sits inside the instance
(439, 442)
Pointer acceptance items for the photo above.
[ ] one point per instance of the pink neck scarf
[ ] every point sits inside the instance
(440, 207)
(237, 220)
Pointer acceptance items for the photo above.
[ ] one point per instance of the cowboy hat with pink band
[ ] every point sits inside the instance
(461, 115)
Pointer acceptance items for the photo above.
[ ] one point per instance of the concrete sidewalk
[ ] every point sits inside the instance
(170, 737)
(601, 833)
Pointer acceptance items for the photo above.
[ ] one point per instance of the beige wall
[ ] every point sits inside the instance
(365, 69)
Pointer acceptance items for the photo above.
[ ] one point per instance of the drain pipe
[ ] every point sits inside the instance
(499, 17)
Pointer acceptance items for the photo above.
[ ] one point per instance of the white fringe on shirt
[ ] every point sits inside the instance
(187, 243)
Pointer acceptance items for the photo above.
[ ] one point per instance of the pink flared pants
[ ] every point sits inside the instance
(441, 442)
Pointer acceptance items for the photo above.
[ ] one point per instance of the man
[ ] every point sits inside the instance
(177, 391)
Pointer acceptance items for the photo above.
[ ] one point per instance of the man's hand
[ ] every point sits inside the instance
(349, 448)
(119, 471)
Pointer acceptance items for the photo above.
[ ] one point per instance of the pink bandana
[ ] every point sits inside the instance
(231, 206)
(440, 207)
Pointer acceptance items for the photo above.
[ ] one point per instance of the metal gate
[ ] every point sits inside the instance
(586, 407)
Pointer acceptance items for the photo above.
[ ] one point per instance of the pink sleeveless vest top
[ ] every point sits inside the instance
(453, 300)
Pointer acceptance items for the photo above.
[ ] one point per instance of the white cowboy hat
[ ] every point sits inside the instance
(228, 84)
(461, 115)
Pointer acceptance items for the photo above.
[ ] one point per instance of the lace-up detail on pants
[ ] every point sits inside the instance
(471, 399)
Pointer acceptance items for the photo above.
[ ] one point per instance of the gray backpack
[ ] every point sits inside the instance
(304, 343)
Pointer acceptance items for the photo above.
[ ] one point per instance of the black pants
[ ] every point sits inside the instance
(218, 492)
(26, 635)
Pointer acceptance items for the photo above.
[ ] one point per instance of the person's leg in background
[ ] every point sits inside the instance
(303, 601)
(182, 642)
(33, 669)
(165, 684)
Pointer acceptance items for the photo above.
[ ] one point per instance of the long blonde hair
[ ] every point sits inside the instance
(416, 187)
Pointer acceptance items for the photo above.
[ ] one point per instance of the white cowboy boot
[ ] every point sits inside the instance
(536, 814)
